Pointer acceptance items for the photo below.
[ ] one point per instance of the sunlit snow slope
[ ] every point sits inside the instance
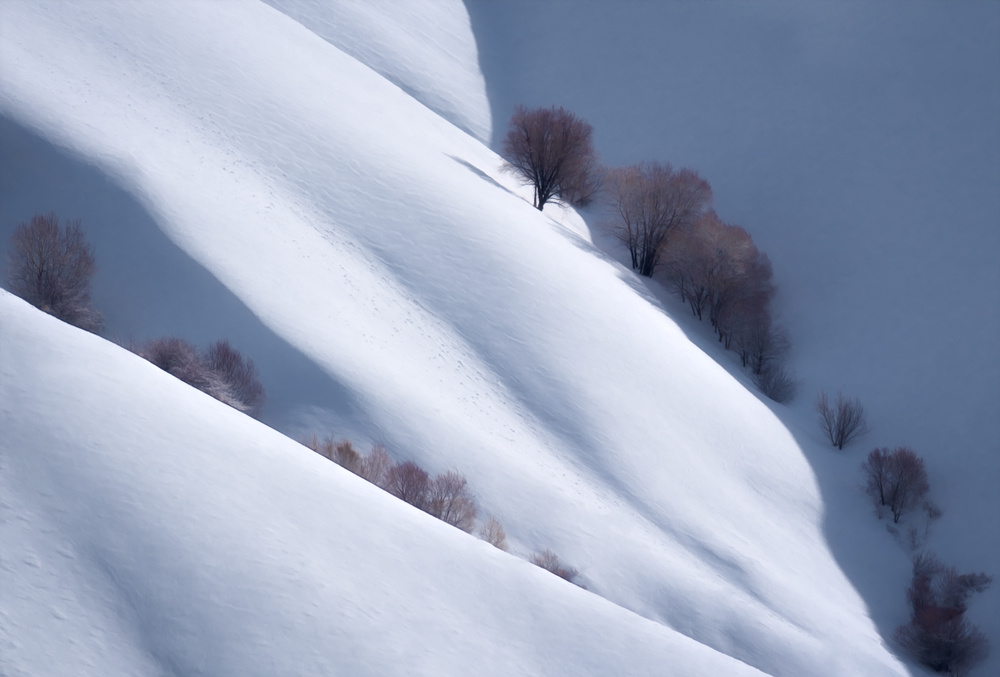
(241, 176)
(149, 530)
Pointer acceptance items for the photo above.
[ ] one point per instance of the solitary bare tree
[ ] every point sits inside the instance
(896, 479)
(842, 422)
(551, 149)
(50, 268)
(653, 201)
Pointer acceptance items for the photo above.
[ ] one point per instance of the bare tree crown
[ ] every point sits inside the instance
(551, 149)
(51, 267)
(652, 202)
(843, 421)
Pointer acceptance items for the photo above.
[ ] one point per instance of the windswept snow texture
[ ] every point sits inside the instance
(400, 289)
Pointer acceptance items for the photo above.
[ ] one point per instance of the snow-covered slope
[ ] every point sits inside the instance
(148, 529)
(858, 143)
(241, 176)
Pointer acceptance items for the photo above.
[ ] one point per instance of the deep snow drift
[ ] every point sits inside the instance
(241, 176)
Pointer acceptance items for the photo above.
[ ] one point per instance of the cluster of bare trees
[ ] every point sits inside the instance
(445, 496)
(938, 634)
(222, 371)
(50, 267)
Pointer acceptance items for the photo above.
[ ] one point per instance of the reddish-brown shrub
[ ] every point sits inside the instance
(451, 502)
(549, 561)
(50, 268)
(493, 533)
(551, 149)
(938, 634)
(843, 421)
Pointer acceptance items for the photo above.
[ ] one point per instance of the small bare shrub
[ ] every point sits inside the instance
(896, 479)
(451, 502)
(549, 561)
(181, 359)
(240, 375)
(938, 635)
(409, 482)
(493, 533)
(50, 268)
(776, 382)
(843, 421)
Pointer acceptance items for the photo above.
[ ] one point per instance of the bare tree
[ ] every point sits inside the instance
(896, 479)
(411, 483)
(653, 201)
(376, 465)
(493, 533)
(938, 634)
(50, 268)
(551, 149)
(240, 374)
(451, 502)
(843, 421)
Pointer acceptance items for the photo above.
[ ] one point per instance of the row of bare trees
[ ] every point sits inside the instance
(663, 216)
(446, 496)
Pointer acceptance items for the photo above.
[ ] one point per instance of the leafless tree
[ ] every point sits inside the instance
(551, 149)
(409, 482)
(843, 421)
(938, 634)
(896, 479)
(240, 374)
(51, 267)
(375, 466)
(493, 533)
(451, 502)
(652, 202)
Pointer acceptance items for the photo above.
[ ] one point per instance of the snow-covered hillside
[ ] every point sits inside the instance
(243, 175)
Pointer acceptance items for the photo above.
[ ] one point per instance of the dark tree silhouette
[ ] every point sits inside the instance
(551, 149)
(938, 634)
(896, 479)
(50, 268)
(841, 422)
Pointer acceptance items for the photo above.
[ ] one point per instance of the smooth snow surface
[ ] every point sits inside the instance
(242, 177)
